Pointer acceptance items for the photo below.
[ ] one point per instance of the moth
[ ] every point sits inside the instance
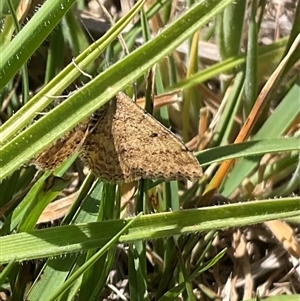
(123, 143)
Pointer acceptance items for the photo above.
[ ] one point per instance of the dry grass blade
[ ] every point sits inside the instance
(249, 123)
(284, 233)
(161, 100)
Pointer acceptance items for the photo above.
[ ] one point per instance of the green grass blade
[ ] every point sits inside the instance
(18, 51)
(247, 149)
(57, 241)
(42, 99)
(92, 260)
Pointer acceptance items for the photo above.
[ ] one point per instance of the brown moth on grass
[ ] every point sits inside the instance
(123, 143)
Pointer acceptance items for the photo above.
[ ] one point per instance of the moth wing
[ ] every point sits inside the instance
(147, 148)
(61, 149)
